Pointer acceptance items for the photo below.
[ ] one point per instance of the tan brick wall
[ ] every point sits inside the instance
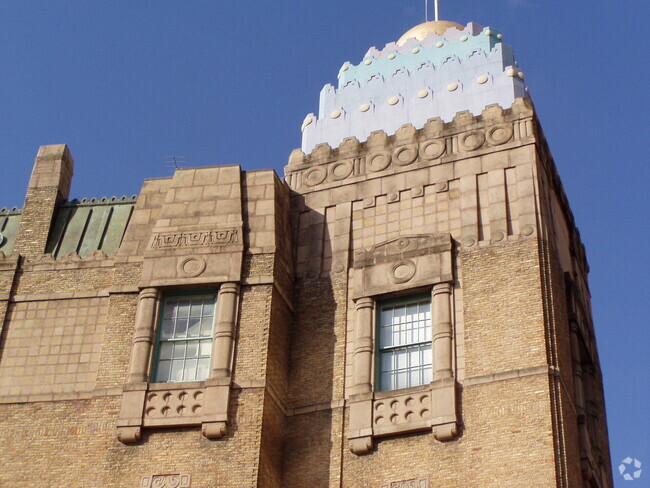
(311, 450)
(271, 444)
(317, 338)
(504, 443)
(503, 309)
(52, 346)
(36, 220)
(252, 335)
(73, 444)
(57, 280)
(114, 358)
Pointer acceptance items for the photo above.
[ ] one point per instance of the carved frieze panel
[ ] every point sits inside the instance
(189, 255)
(166, 481)
(410, 483)
(201, 238)
(402, 247)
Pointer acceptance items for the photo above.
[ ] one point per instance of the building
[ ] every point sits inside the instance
(408, 308)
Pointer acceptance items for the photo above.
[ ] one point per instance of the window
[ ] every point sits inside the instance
(404, 343)
(184, 345)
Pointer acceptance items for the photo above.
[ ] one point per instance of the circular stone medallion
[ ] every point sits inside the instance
(431, 150)
(402, 271)
(499, 134)
(341, 170)
(378, 161)
(472, 140)
(405, 155)
(191, 266)
(315, 176)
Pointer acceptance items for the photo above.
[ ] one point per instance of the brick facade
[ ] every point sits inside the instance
(470, 212)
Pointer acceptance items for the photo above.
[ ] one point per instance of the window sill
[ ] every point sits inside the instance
(430, 407)
(195, 403)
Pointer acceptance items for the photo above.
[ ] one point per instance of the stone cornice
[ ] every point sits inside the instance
(436, 143)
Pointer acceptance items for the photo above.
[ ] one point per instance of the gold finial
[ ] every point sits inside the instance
(421, 31)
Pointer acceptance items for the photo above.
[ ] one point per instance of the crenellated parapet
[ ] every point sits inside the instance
(436, 143)
(414, 82)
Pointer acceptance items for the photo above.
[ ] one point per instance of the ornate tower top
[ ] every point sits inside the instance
(435, 69)
(421, 31)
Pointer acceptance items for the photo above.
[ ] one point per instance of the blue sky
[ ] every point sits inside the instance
(126, 84)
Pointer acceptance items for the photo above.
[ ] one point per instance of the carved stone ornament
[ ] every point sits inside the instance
(166, 481)
(402, 271)
(410, 483)
(315, 176)
(173, 405)
(341, 169)
(471, 141)
(203, 238)
(401, 263)
(191, 266)
(499, 134)
(402, 247)
(431, 150)
(405, 155)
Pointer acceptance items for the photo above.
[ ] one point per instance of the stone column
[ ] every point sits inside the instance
(224, 333)
(363, 346)
(360, 427)
(217, 391)
(129, 424)
(143, 338)
(442, 334)
(443, 385)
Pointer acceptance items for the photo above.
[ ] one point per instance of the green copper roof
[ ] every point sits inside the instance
(9, 222)
(85, 226)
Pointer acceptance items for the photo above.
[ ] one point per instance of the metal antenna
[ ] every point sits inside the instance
(426, 10)
(175, 161)
(437, 10)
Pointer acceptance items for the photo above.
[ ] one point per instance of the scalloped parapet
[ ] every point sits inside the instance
(412, 83)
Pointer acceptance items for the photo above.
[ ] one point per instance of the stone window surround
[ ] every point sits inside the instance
(202, 403)
(432, 406)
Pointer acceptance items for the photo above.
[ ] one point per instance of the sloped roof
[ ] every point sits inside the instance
(88, 225)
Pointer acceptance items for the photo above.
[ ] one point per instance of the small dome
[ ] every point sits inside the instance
(423, 30)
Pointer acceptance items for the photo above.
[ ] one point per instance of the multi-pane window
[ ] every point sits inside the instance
(404, 340)
(185, 338)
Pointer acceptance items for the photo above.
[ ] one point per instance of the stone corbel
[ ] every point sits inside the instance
(443, 409)
(445, 432)
(360, 429)
(129, 435)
